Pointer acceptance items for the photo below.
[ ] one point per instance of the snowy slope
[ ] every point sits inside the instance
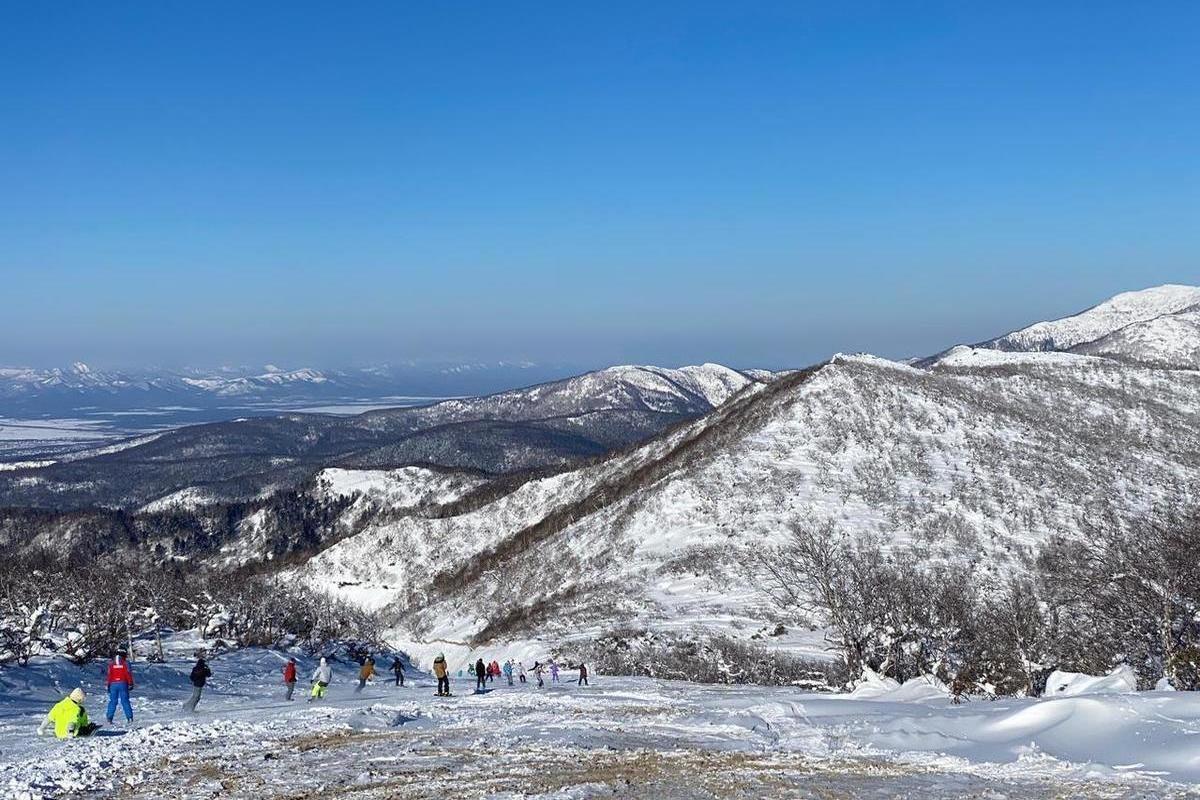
(979, 459)
(1172, 341)
(619, 737)
(1101, 320)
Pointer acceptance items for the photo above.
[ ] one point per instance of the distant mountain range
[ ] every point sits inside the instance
(546, 425)
(48, 392)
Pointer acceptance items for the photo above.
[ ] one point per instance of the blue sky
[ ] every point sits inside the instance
(760, 184)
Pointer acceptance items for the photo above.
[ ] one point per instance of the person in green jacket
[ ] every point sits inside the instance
(68, 717)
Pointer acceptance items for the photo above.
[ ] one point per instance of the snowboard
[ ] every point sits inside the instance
(482, 691)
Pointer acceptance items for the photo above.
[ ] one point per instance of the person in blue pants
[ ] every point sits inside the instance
(120, 681)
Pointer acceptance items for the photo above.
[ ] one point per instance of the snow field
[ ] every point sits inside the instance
(624, 736)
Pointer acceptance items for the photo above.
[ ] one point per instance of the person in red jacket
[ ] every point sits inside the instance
(120, 682)
(289, 676)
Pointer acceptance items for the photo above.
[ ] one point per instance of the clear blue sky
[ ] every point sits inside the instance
(752, 183)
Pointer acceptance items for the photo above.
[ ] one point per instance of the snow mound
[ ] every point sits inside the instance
(1068, 684)
(873, 686)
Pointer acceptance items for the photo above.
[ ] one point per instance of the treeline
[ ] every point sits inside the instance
(1120, 593)
(89, 610)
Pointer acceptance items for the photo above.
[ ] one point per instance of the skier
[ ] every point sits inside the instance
(480, 675)
(538, 669)
(583, 674)
(289, 676)
(321, 678)
(119, 682)
(442, 674)
(553, 671)
(365, 674)
(508, 671)
(200, 675)
(521, 670)
(398, 669)
(68, 717)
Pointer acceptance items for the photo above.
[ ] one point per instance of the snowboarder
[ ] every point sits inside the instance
(68, 717)
(538, 669)
(480, 675)
(289, 676)
(553, 671)
(200, 675)
(508, 671)
(583, 681)
(119, 682)
(521, 670)
(321, 678)
(442, 674)
(494, 670)
(365, 674)
(398, 669)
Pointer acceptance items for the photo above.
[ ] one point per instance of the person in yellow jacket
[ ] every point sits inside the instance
(442, 674)
(68, 717)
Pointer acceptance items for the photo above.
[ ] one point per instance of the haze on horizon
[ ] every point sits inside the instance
(655, 183)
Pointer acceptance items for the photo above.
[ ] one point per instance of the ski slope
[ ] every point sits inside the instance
(621, 736)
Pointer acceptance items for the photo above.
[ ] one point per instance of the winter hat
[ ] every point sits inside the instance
(322, 661)
(77, 695)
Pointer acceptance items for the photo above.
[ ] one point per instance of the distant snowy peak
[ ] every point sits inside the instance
(1171, 341)
(1112, 315)
(712, 384)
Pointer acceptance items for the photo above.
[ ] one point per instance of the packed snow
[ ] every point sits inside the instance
(624, 736)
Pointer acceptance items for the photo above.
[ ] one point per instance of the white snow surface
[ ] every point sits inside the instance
(629, 737)
(1113, 314)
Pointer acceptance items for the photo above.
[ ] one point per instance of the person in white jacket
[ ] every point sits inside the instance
(321, 678)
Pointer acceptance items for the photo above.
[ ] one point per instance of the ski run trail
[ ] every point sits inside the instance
(619, 737)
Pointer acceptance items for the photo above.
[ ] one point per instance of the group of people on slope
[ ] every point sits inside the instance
(322, 676)
(68, 718)
(487, 672)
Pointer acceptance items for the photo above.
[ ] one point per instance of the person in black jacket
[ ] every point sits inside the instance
(398, 668)
(200, 675)
(480, 675)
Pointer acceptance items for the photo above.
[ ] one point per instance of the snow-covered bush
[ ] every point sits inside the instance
(704, 659)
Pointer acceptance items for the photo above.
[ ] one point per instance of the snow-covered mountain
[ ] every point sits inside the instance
(978, 459)
(1172, 340)
(1101, 320)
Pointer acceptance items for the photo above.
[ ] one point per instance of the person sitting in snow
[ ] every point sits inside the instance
(322, 676)
(68, 717)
